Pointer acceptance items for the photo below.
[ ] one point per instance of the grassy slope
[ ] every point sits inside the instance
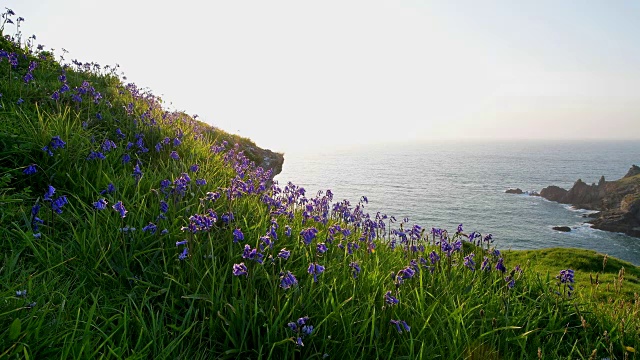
(95, 291)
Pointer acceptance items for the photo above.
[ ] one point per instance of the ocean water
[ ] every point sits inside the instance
(446, 183)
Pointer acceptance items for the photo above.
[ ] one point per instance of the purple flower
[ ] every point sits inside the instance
(355, 268)
(194, 168)
(566, 276)
(183, 242)
(101, 204)
(174, 155)
(120, 208)
(152, 228)
(108, 145)
(460, 228)
(322, 248)
(468, 262)
(109, 190)
(485, 266)
(307, 330)
(183, 255)
(238, 235)
(201, 182)
(400, 325)
(164, 207)
(389, 299)
(126, 158)
(287, 280)
(252, 254)
(308, 235)
(315, 269)
(434, 257)
(176, 142)
(55, 96)
(500, 265)
(96, 155)
(240, 269)
(287, 230)
(137, 174)
(30, 170)
(49, 193)
(58, 203)
(284, 254)
(20, 101)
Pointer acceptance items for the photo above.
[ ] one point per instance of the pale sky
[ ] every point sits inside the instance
(301, 75)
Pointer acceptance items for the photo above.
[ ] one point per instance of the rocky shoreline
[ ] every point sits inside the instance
(617, 202)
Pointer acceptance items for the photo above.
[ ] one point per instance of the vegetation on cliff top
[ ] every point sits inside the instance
(131, 231)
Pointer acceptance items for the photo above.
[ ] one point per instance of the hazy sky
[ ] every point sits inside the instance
(297, 74)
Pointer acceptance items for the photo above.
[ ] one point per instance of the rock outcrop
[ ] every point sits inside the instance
(517, 191)
(562, 228)
(618, 202)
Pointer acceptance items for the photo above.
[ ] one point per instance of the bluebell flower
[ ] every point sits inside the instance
(308, 235)
(396, 324)
(287, 230)
(434, 257)
(194, 168)
(390, 299)
(240, 269)
(176, 142)
(108, 145)
(151, 227)
(174, 155)
(284, 254)
(49, 193)
(500, 265)
(201, 182)
(566, 276)
(183, 255)
(164, 232)
(238, 235)
(307, 330)
(315, 269)
(288, 280)
(101, 204)
(119, 207)
(468, 262)
(164, 207)
(182, 242)
(460, 228)
(137, 174)
(21, 293)
(485, 266)
(321, 248)
(30, 170)
(58, 203)
(355, 269)
(20, 101)
(93, 155)
(55, 96)
(109, 190)
(126, 158)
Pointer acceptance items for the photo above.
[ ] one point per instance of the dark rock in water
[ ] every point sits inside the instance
(514, 191)
(553, 193)
(562, 228)
(618, 202)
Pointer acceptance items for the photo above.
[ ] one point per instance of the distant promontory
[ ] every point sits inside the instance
(617, 202)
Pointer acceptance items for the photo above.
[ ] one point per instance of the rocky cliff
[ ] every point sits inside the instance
(618, 202)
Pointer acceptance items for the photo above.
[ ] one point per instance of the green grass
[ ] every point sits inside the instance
(95, 291)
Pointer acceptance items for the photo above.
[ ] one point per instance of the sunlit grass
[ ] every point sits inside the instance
(159, 281)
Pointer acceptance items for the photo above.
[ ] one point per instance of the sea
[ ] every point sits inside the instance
(443, 184)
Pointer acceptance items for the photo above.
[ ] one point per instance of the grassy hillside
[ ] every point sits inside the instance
(132, 232)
